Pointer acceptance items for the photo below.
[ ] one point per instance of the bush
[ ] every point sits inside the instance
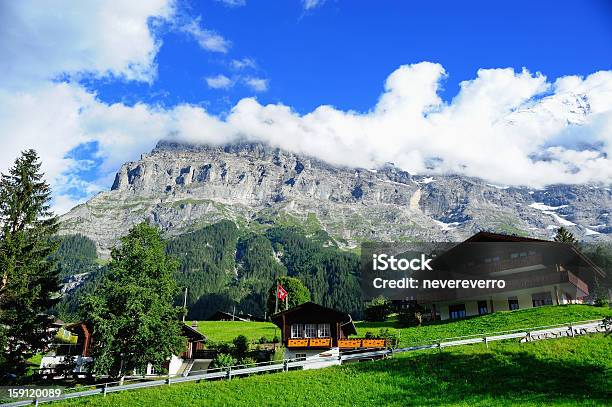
(241, 346)
(411, 316)
(391, 336)
(223, 360)
(601, 297)
(247, 361)
(279, 353)
(378, 310)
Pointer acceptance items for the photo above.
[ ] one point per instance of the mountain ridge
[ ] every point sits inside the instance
(181, 186)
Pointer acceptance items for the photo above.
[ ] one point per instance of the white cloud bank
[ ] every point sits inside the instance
(40, 40)
(512, 128)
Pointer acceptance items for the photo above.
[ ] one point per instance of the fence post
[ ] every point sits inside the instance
(105, 387)
(486, 342)
(36, 401)
(285, 366)
(229, 373)
(440, 346)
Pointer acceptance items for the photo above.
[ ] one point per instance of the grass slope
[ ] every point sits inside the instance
(555, 372)
(495, 322)
(225, 331)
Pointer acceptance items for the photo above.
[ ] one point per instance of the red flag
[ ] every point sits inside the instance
(281, 293)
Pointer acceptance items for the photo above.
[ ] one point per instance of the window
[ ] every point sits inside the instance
(297, 331)
(540, 299)
(310, 331)
(482, 308)
(513, 303)
(324, 331)
(456, 311)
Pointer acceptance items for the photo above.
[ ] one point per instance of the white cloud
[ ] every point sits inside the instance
(312, 4)
(219, 82)
(41, 40)
(512, 128)
(239, 64)
(256, 84)
(499, 127)
(233, 3)
(207, 39)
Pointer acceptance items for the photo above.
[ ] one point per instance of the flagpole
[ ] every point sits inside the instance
(276, 297)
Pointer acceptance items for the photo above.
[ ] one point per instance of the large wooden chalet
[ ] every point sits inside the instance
(536, 273)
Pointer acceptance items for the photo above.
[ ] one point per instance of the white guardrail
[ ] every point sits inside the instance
(525, 335)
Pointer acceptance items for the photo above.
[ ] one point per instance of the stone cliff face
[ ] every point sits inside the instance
(181, 187)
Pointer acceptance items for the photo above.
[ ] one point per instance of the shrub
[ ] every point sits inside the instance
(247, 361)
(411, 316)
(279, 353)
(378, 310)
(223, 360)
(241, 346)
(601, 297)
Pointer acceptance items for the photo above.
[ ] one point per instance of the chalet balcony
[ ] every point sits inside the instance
(354, 343)
(532, 260)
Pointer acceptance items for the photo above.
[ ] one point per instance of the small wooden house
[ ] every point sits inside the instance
(318, 334)
(74, 342)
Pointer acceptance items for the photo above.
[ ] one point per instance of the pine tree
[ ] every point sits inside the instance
(29, 283)
(132, 314)
(565, 236)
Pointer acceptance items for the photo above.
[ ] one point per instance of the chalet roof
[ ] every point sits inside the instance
(192, 333)
(489, 237)
(483, 236)
(238, 317)
(186, 330)
(311, 309)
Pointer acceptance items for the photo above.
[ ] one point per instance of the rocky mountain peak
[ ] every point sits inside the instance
(183, 186)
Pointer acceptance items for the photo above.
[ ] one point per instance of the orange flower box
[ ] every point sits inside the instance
(320, 342)
(373, 343)
(297, 343)
(349, 343)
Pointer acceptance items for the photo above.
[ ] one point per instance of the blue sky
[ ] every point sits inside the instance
(94, 84)
(340, 52)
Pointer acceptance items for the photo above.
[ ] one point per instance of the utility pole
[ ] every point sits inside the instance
(185, 305)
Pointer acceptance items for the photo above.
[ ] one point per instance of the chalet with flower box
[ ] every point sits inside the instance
(319, 334)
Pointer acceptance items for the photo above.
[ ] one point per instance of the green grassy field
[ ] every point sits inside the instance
(225, 331)
(565, 371)
(495, 322)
